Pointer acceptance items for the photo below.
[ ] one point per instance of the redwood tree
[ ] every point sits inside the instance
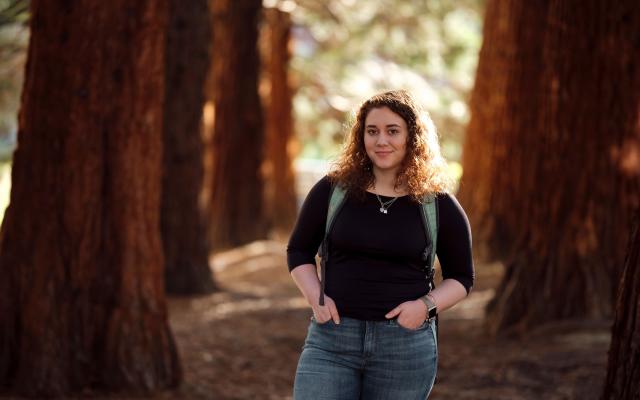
(623, 374)
(82, 302)
(183, 221)
(280, 193)
(236, 207)
(549, 180)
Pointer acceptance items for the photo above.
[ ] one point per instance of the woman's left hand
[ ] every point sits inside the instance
(411, 314)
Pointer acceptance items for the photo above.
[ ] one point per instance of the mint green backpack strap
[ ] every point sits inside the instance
(336, 200)
(429, 212)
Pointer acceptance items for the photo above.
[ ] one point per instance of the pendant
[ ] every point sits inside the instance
(383, 210)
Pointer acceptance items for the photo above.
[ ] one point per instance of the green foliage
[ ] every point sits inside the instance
(14, 35)
(13, 12)
(347, 50)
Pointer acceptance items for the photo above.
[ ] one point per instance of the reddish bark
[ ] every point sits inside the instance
(280, 193)
(183, 221)
(623, 373)
(82, 302)
(549, 180)
(236, 213)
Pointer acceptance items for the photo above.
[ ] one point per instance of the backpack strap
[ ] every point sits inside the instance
(336, 201)
(429, 212)
(430, 221)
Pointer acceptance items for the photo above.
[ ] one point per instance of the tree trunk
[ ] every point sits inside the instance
(82, 302)
(183, 221)
(623, 373)
(236, 208)
(550, 175)
(503, 103)
(280, 193)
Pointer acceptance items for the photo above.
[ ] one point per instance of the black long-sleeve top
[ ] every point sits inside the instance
(375, 259)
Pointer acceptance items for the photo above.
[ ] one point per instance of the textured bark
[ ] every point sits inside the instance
(236, 208)
(280, 193)
(551, 166)
(183, 221)
(504, 102)
(623, 373)
(82, 301)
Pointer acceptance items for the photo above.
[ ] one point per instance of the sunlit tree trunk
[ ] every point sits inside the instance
(82, 302)
(183, 222)
(551, 172)
(236, 208)
(504, 105)
(280, 193)
(623, 374)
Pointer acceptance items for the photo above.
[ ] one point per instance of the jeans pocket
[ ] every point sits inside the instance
(425, 324)
(315, 321)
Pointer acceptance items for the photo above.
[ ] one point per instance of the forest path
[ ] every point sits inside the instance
(244, 341)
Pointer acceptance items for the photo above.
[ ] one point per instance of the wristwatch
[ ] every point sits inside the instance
(432, 309)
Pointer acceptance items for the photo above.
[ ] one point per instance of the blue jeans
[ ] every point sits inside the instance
(366, 360)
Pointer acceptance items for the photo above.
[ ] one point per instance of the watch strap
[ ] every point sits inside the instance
(432, 309)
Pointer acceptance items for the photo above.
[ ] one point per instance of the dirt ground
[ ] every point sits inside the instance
(243, 342)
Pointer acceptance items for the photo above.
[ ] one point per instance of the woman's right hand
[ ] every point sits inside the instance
(306, 277)
(324, 313)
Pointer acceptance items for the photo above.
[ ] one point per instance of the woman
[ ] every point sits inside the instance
(373, 338)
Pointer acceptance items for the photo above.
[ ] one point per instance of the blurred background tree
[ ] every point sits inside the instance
(281, 145)
(183, 223)
(235, 206)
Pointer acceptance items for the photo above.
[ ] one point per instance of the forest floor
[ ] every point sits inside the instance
(243, 341)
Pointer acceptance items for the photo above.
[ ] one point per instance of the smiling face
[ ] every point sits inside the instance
(385, 139)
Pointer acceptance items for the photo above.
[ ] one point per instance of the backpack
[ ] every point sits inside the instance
(429, 212)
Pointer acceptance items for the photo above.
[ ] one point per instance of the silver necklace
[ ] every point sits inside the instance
(384, 205)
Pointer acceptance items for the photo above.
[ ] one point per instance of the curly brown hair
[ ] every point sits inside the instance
(423, 170)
